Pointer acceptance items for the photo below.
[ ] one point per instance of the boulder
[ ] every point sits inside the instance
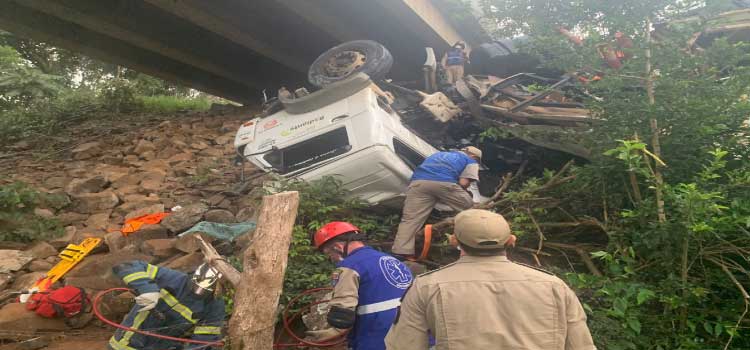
(219, 215)
(187, 263)
(56, 182)
(127, 180)
(61, 242)
(151, 209)
(152, 181)
(145, 233)
(39, 266)
(246, 214)
(71, 218)
(42, 250)
(91, 184)
(5, 280)
(189, 244)
(13, 260)
(86, 150)
(160, 247)
(144, 146)
(136, 201)
(27, 280)
(185, 218)
(14, 318)
(45, 213)
(115, 241)
(98, 221)
(180, 157)
(95, 271)
(88, 203)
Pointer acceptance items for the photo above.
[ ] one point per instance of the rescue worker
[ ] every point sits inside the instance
(453, 62)
(443, 177)
(484, 301)
(171, 303)
(367, 287)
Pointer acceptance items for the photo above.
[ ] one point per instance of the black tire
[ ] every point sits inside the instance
(377, 62)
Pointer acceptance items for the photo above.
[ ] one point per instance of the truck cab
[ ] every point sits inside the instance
(345, 130)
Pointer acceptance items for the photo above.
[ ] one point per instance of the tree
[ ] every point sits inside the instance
(672, 281)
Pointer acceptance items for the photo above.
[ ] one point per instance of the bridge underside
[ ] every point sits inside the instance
(230, 48)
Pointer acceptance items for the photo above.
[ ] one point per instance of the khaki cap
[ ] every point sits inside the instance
(471, 150)
(481, 229)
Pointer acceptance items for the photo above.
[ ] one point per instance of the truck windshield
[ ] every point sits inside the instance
(309, 152)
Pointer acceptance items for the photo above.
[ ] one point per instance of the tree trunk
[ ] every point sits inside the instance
(257, 295)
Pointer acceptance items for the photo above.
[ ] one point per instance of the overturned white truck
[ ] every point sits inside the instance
(371, 139)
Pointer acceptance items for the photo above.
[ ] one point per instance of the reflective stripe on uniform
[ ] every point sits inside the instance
(151, 271)
(134, 276)
(176, 306)
(137, 322)
(207, 330)
(117, 346)
(378, 307)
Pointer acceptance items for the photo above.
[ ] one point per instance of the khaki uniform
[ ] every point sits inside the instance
(421, 197)
(346, 288)
(454, 73)
(490, 303)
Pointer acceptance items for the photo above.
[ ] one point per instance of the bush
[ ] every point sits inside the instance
(119, 95)
(18, 222)
(171, 104)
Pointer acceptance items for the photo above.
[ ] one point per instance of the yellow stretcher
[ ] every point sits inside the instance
(70, 256)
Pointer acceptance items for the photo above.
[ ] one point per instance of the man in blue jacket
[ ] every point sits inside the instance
(171, 303)
(442, 177)
(367, 287)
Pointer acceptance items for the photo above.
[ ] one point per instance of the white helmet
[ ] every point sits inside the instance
(204, 279)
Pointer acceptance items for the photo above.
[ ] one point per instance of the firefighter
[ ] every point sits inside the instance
(367, 287)
(443, 177)
(453, 62)
(171, 303)
(485, 301)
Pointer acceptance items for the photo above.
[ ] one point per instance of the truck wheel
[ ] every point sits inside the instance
(351, 57)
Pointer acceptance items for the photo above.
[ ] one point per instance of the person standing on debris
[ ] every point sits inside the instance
(443, 177)
(367, 287)
(453, 62)
(484, 301)
(171, 303)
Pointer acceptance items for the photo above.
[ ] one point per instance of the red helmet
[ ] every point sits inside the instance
(332, 230)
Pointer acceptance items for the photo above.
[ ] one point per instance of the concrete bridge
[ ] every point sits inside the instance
(235, 48)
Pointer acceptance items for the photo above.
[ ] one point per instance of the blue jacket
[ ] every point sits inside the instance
(443, 167)
(455, 57)
(383, 280)
(178, 311)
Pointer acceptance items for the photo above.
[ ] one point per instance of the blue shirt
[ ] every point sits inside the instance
(383, 280)
(443, 167)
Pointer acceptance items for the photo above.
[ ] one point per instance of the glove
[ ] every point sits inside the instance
(147, 301)
(324, 334)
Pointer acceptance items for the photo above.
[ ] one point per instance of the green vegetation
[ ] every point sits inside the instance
(657, 251)
(322, 201)
(44, 89)
(19, 222)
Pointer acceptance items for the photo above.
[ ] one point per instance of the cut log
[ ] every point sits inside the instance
(257, 295)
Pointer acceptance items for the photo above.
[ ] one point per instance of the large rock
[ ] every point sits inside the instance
(160, 247)
(62, 241)
(27, 280)
(115, 241)
(145, 233)
(13, 260)
(187, 263)
(136, 201)
(39, 266)
(42, 250)
(219, 215)
(185, 218)
(98, 221)
(87, 150)
(14, 318)
(152, 181)
(56, 182)
(95, 271)
(151, 209)
(45, 213)
(91, 184)
(5, 280)
(189, 244)
(71, 218)
(144, 146)
(96, 202)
